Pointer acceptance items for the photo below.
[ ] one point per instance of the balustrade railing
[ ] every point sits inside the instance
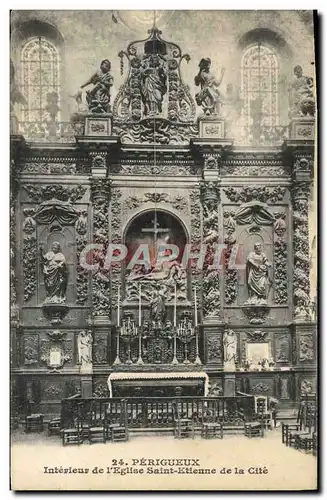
(52, 132)
(156, 412)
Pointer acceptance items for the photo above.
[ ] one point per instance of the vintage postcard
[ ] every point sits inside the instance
(163, 250)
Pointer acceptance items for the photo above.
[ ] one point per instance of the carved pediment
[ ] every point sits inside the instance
(153, 89)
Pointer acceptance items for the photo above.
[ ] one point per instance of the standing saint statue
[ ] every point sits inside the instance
(55, 274)
(153, 84)
(98, 98)
(257, 276)
(85, 348)
(209, 96)
(158, 305)
(230, 350)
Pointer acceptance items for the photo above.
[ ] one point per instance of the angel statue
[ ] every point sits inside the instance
(98, 98)
(209, 96)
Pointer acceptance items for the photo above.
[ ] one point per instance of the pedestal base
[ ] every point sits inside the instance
(303, 128)
(98, 125)
(86, 386)
(229, 385)
(212, 127)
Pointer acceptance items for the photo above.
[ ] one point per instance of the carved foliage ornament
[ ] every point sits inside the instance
(178, 202)
(81, 273)
(55, 191)
(210, 196)
(263, 194)
(256, 336)
(100, 281)
(301, 283)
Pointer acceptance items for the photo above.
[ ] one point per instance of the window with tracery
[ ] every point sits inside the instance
(260, 92)
(40, 80)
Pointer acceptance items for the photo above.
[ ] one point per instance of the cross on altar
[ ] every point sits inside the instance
(156, 228)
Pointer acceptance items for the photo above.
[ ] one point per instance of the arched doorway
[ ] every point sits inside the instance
(151, 266)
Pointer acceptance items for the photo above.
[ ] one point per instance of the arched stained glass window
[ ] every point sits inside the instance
(260, 88)
(40, 80)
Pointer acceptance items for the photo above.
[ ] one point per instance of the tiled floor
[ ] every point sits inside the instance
(266, 462)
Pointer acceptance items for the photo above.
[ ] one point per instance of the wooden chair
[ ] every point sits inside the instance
(253, 429)
(72, 435)
(97, 433)
(34, 422)
(287, 429)
(211, 427)
(118, 431)
(262, 411)
(183, 427)
(54, 426)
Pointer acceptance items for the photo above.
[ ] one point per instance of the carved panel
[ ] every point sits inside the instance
(215, 387)
(100, 349)
(100, 389)
(53, 391)
(214, 348)
(282, 349)
(264, 386)
(306, 348)
(31, 349)
(284, 388)
(307, 385)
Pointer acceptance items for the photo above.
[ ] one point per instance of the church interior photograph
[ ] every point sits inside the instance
(163, 227)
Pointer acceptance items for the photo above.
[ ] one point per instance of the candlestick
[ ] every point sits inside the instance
(175, 306)
(118, 306)
(117, 360)
(140, 306)
(140, 360)
(197, 357)
(175, 360)
(195, 309)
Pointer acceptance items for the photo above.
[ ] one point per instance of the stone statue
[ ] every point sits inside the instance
(153, 84)
(257, 276)
(158, 305)
(301, 97)
(85, 348)
(230, 350)
(98, 98)
(209, 96)
(55, 274)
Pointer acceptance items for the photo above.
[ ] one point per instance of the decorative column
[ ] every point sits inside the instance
(212, 318)
(300, 154)
(100, 316)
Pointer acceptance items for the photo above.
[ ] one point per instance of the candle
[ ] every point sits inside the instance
(195, 309)
(175, 307)
(118, 306)
(140, 305)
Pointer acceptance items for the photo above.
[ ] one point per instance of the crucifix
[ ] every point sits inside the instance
(155, 230)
